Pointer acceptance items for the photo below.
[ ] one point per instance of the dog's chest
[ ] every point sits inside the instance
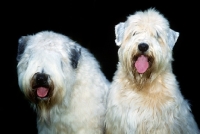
(142, 112)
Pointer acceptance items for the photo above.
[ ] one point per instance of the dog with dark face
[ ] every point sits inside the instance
(64, 84)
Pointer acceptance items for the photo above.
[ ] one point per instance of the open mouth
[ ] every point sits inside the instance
(41, 91)
(142, 63)
(41, 85)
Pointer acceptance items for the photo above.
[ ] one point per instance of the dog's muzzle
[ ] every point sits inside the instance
(41, 85)
(141, 59)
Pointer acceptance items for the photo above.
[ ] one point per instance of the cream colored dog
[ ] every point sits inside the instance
(64, 83)
(145, 97)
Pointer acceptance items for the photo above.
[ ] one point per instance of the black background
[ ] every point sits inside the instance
(92, 25)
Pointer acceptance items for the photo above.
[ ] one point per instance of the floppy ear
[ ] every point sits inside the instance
(119, 33)
(75, 54)
(172, 38)
(22, 42)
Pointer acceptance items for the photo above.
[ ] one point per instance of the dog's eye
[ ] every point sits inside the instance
(134, 33)
(157, 35)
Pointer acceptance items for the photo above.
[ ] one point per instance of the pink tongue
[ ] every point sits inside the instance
(42, 91)
(142, 64)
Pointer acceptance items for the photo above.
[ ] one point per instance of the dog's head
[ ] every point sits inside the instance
(46, 66)
(146, 43)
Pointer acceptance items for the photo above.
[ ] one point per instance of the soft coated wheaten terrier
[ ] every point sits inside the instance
(145, 97)
(64, 84)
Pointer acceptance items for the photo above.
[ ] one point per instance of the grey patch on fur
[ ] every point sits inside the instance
(172, 38)
(21, 46)
(119, 33)
(75, 56)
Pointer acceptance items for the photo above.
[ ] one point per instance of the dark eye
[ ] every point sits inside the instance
(157, 35)
(135, 33)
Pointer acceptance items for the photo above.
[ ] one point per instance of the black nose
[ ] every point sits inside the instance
(41, 78)
(143, 47)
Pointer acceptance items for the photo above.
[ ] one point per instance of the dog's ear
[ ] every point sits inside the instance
(22, 42)
(75, 54)
(172, 37)
(119, 33)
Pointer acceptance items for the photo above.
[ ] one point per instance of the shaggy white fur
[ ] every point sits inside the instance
(64, 84)
(145, 97)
